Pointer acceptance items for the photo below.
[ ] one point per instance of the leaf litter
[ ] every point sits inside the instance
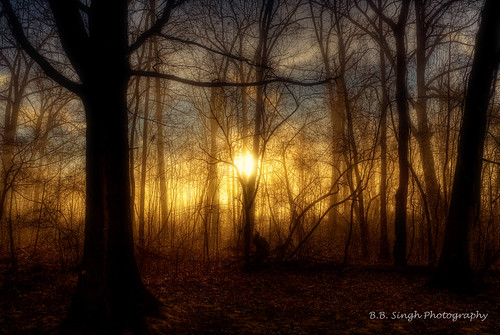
(225, 299)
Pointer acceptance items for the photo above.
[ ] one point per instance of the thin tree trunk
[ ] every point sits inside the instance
(355, 183)
(384, 253)
(144, 161)
(344, 106)
(19, 75)
(132, 150)
(160, 150)
(250, 192)
(337, 115)
(212, 200)
(160, 146)
(424, 133)
(403, 137)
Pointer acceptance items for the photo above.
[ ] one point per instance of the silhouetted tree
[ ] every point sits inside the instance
(398, 29)
(455, 269)
(95, 39)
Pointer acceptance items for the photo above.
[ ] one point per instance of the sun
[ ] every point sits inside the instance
(245, 164)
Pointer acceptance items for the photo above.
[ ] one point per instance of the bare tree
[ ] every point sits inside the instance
(110, 293)
(398, 29)
(454, 268)
(20, 72)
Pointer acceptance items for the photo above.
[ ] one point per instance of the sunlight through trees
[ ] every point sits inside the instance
(184, 129)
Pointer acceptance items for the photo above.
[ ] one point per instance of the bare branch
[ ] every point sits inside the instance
(20, 36)
(157, 26)
(226, 54)
(229, 84)
(72, 33)
(381, 14)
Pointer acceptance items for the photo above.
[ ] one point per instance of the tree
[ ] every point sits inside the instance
(270, 30)
(323, 33)
(384, 253)
(429, 34)
(344, 145)
(398, 28)
(110, 293)
(20, 70)
(454, 268)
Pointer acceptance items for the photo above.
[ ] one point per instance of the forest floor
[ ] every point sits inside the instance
(225, 299)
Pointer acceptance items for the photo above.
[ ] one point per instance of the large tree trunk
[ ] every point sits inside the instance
(455, 269)
(398, 29)
(109, 293)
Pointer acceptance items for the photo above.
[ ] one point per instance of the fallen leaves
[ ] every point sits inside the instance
(227, 300)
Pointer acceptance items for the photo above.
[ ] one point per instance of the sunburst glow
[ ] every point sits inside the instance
(245, 164)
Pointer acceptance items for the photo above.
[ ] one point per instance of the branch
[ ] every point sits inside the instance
(72, 33)
(439, 12)
(381, 14)
(228, 84)
(157, 26)
(19, 35)
(402, 17)
(490, 161)
(378, 35)
(226, 54)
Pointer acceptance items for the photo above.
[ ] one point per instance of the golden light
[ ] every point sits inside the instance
(245, 164)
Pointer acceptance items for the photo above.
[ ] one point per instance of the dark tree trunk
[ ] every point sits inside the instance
(345, 106)
(160, 149)
(400, 66)
(212, 212)
(20, 72)
(384, 253)
(251, 187)
(455, 269)
(399, 251)
(109, 293)
(423, 134)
